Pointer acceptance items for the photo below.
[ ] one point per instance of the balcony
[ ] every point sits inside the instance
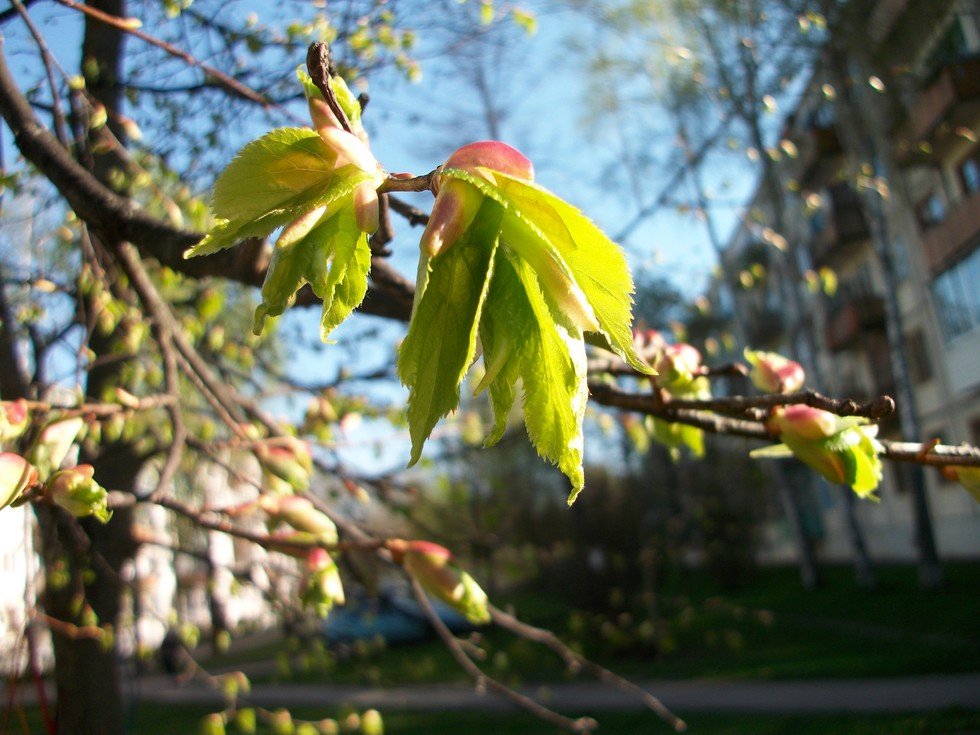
(850, 319)
(950, 100)
(843, 226)
(946, 241)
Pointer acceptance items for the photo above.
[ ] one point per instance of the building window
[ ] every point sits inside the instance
(957, 294)
(931, 210)
(969, 172)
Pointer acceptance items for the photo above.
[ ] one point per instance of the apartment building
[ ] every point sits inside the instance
(885, 192)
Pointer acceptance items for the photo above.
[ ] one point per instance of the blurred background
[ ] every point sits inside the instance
(797, 176)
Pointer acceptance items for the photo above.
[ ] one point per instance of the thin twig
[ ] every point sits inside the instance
(576, 661)
(408, 183)
(100, 410)
(415, 216)
(934, 455)
(60, 126)
(129, 25)
(879, 408)
(582, 724)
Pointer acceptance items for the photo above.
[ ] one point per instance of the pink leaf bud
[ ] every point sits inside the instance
(773, 373)
(455, 207)
(54, 442)
(323, 587)
(300, 227)
(322, 116)
(803, 422)
(458, 202)
(212, 724)
(13, 419)
(806, 431)
(492, 155)
(350, 150)
(301, 514)
(679, 364)
(288, 459)
(649, 343)
(16, 476)
(75, 490)
(433, 567)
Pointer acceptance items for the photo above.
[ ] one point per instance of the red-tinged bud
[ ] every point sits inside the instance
(803, 422)
(372, 723)
(296, 544)
(773, 373)
(301, 514)
(323, 588)
(280, 722)
(433, 567)
(13, 419)
(458, 202)
(16, 476)
(455, 207)
(493, 155)
(75, 490)
(213, 724)
(678, 366)
(54, 442)
(288, 459)
(843, 450)
(366, 207)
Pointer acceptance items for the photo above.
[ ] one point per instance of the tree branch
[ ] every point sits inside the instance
(581, 725)
(576, 661)
(118, 218)
(131, 26)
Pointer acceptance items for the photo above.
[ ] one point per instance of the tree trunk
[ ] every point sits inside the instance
(87, 671)
(866, 138)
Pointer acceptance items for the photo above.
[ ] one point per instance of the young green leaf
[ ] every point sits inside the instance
(323, 257)
(553, 370)
(522, 340)
(271, 182)
(597, 265)
(346, 286)
(504, 329)
(441, 339)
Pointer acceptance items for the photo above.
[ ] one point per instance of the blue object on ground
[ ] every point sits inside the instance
(396, 619)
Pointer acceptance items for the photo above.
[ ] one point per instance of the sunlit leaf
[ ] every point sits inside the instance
(441, 339)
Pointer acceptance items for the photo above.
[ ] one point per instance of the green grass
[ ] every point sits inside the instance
(771, 629)
(172, 720)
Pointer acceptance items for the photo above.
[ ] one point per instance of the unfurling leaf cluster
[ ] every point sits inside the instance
(511, 267)
(320, 186)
